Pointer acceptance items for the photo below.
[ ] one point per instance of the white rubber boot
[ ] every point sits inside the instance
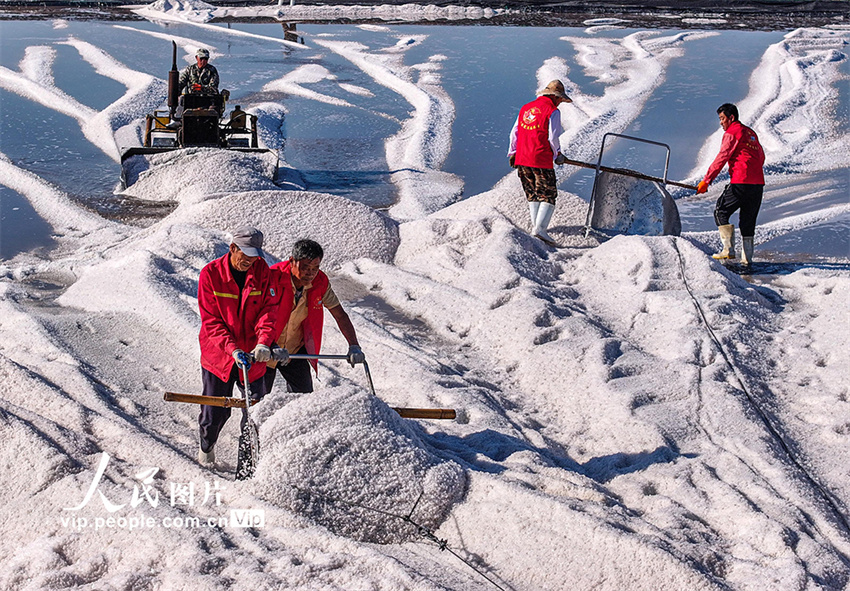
(544, 216)
(206, 458)
(533, 207)
(747, 250)
(727, 237)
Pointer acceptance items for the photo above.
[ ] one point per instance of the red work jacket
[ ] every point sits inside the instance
(532, 134)
(742, 150)
(230, 322)
(315, 309)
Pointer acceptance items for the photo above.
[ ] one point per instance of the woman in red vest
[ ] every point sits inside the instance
(534, 150)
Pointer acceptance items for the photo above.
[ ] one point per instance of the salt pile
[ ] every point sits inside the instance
(346, 460)
(191, 175)
(631, 414)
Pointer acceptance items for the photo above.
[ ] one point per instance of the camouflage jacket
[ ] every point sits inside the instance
(207, 77)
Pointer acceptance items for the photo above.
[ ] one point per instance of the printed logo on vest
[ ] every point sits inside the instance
(530, 118)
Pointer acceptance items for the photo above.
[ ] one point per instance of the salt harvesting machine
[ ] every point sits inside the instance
(202, 125)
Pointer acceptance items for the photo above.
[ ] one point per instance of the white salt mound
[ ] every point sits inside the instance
(192, 174)
(328, 454)
(346, 229)
(177, 6)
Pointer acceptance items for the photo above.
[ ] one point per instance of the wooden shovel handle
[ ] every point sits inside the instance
(426, 413)
(231, 402)
(222, 401)
(632, 173)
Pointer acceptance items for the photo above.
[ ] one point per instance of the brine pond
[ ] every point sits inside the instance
(361, 102)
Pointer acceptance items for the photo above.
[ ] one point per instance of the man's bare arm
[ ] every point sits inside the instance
(344, 324)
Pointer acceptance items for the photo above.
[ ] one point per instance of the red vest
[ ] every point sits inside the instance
(532, 134)
(228, 322)
(315, 309)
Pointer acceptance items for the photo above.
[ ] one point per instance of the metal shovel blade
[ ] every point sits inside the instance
(249, 450)
(249, 439)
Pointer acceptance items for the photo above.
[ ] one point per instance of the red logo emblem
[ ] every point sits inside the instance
(529, 118)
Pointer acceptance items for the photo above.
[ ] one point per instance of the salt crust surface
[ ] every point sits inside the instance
(603, 440)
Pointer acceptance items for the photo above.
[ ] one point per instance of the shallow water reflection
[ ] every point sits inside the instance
(488, 72)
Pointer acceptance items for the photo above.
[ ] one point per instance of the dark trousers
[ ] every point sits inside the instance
(212, 418)
(747, 198)
(539, 184)
(296, 373)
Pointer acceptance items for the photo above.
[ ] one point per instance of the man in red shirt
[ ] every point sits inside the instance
(238, 301)
(534, 149)
(305, 292)
(742, 150)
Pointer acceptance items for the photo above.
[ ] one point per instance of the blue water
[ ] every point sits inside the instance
(489, 72)
(21, 228)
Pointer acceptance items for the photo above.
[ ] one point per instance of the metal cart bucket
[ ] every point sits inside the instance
(629, 202)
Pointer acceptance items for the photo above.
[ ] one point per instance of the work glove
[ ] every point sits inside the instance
(512, 160)
(196, 87)
(560, 159)
(241, 358)
(355, 355)
(280, 355)
(261, 353)
(702, 187)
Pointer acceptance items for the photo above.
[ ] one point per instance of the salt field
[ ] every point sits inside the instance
(631, 414)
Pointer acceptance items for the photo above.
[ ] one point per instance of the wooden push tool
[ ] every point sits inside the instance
(232, 402)
(627, 172)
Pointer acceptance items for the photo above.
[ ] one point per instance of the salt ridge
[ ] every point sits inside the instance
(423, 143)
(189, 46)
(791, 104)
(604, 439)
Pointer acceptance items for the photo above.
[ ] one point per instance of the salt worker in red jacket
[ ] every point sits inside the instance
(534, 150)
(741, 149)
(305, 292)
(238, 302)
